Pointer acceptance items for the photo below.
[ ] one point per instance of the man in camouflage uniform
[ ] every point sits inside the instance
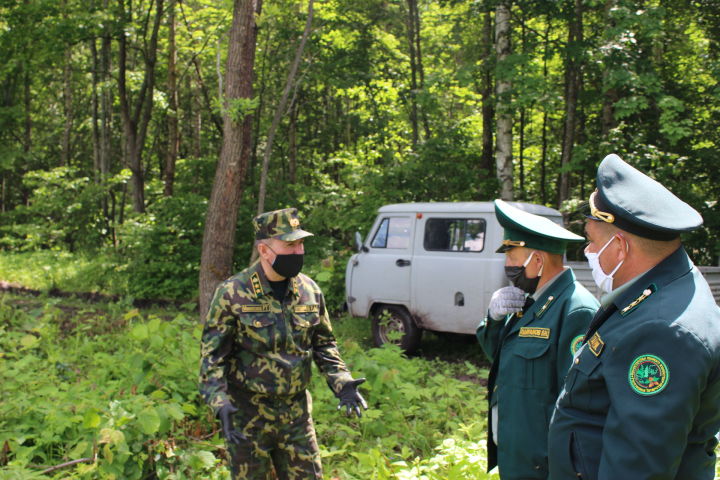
(264, 326)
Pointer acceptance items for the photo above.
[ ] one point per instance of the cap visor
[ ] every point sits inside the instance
(294, 235)
(503, 248)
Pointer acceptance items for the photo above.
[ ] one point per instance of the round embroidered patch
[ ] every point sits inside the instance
(575, 344)
(648, 375)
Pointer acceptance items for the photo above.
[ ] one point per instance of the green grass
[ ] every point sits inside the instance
(48, 269)
(117, 385)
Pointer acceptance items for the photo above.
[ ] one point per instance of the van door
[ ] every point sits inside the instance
(455, 271)
(382, 274)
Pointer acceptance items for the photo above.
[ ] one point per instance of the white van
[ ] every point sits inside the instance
(433, 266)
(428, 266)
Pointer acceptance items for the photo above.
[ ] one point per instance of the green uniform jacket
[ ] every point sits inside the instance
(253, 343)
(534, 358)
(642, 398)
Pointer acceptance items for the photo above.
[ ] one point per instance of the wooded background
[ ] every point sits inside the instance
(121, 121)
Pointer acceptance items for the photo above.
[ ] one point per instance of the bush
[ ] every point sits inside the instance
(163, 247)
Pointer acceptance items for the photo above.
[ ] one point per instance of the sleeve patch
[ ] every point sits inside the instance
(575, 344)
(648, 375)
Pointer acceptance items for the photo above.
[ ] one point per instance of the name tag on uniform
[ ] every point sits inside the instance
(535, 332)
(255, 308)
(306, 308)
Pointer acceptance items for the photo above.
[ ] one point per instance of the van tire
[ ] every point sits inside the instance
(393, 318)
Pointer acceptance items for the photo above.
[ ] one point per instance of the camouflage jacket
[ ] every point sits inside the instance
(254, 343)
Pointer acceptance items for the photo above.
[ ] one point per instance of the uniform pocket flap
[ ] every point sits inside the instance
(258, 316)
(530, 350)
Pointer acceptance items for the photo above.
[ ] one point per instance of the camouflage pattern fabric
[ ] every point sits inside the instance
(256, 344)
(282, 224)
(281, 438)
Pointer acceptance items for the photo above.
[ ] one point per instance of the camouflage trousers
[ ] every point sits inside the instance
(281, 438)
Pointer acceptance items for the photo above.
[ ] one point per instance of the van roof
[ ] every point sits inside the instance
(464, 207)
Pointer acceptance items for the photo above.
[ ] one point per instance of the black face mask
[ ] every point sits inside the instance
(517, 276)
(288, 265)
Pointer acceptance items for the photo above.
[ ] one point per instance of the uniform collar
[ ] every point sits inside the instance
(547, 298)
(672, 267)
(545, 287)
(261, 285)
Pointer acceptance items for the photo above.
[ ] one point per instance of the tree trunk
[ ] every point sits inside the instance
(135, 122)
(610, 94)
(281, 109)
(221, 220)
(543, 156)
(68, 108)
(95, 109)
(173, 137)
(292, 142)
(27, 137)
(488, 108)
(573, 68)
(412, 5)
(503, 150)
(106, 101)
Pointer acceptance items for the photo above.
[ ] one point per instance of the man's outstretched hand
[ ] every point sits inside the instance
(351, 399)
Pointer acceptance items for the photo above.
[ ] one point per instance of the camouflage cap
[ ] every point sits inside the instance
(281, 224)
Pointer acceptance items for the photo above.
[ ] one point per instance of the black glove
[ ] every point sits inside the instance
(225, 415)
(351, 399)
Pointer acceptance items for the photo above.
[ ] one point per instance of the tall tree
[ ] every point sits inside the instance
(488, 107)
(503, 149)
(280, 110)
(221, 220)
(573, 77)
(135, 119)
(173, 137)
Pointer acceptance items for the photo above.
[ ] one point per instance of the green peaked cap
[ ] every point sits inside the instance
(634, 202)
(523, 229)
(281, 224)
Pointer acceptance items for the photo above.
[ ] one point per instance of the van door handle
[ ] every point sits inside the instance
(402, 262)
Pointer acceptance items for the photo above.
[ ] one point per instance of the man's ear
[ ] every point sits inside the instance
(262, 249)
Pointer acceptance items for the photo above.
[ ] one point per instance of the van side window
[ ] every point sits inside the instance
(393, 232)
(454, 234)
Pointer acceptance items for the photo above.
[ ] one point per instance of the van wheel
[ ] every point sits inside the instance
(393, 324)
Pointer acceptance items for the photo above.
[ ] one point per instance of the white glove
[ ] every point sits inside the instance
(505, 301)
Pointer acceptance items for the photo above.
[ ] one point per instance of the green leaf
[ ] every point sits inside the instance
(140, 332)
(202, 460)
(149, 421)
(91, 419)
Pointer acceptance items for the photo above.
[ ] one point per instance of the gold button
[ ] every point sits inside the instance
(577, 360)
(257, 323)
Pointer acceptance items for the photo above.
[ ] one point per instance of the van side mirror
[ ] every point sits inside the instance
(359, 243)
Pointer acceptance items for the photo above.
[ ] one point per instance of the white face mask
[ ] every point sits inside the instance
(603, 280)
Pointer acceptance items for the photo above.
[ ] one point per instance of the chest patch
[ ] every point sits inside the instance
(596, 344)
(255, 308)
(535, 332)
(306, 308)
(648, 375)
